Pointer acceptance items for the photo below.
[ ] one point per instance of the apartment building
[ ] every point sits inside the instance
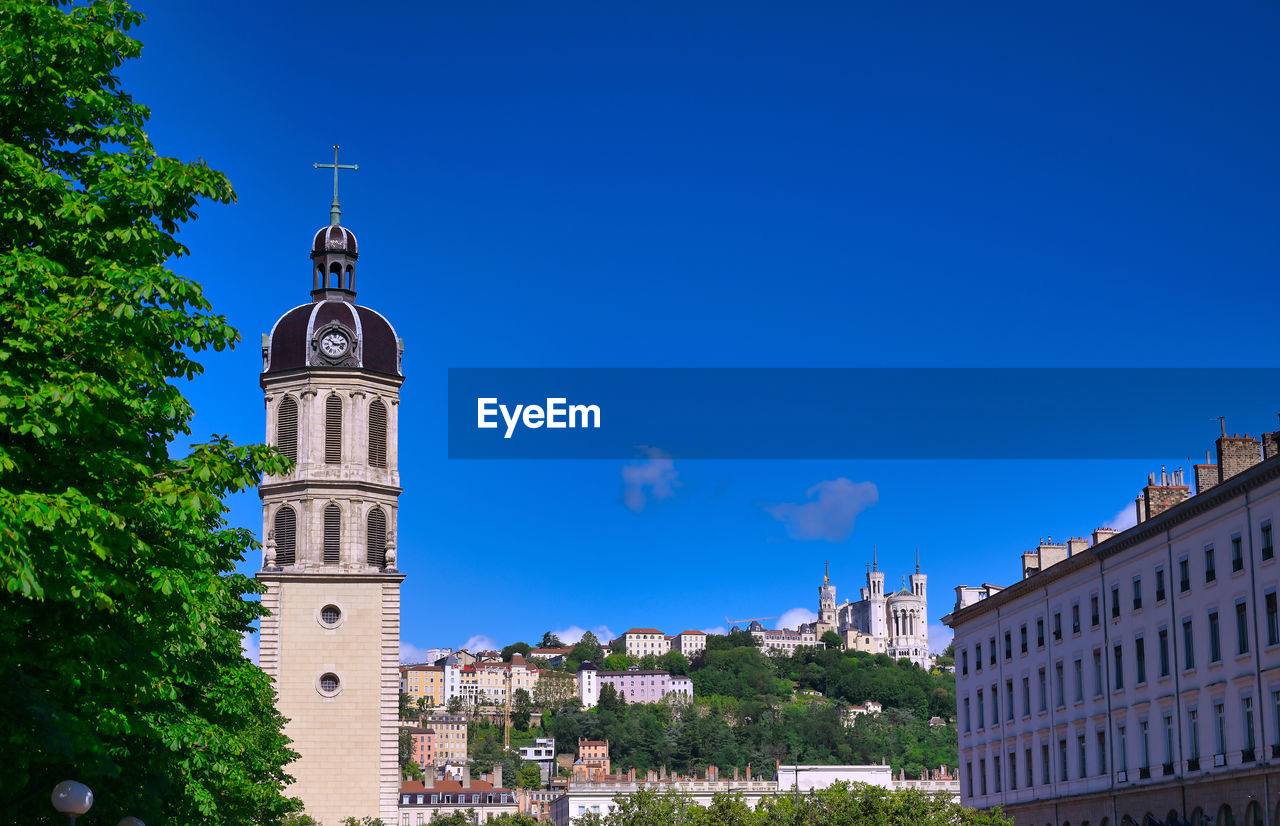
(1135, 679)
(689, 643)
(637, 684)
(638, 642)
(450, 737)
(424, 681)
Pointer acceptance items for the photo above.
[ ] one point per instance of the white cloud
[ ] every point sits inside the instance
(795, 618)
(831, 515)
(939, 638)
(481, 642)
(1125, 519)
(249, 646)
(573, 633)
(652, 479)
(410, 653)
(719, 629)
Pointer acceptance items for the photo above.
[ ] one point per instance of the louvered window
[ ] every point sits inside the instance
(333, 430)
(286, 530)
(332, 534)
(377, 434)
(377, 543)
(287, 427)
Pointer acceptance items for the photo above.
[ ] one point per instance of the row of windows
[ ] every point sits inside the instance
(1095, 618)
(1139, 648)
(1075, 763)
(285, 527)
(287, 430)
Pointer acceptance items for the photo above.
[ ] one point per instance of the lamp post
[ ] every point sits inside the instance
(130, 821)
(72, 798)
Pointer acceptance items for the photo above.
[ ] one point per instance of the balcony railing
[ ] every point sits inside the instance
(1166, 769)
(1144, 773)
(1248, 756)
(1193, 765)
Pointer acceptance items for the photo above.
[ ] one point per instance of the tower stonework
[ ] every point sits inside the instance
(331, 642)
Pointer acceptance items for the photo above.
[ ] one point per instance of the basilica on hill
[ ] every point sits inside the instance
(895, 623)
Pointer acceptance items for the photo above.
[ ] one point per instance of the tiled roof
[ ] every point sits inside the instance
(449, 787)
(693, 633)
(641, 631)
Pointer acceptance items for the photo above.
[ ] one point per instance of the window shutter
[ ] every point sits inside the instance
(287, 427)
(377, 544)
(333, 430)
(377, 434)
(286, 528)
(332, 534)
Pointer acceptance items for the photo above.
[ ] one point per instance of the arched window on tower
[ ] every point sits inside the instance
(377, 434)
(287, 427)
(285, 526)
(376, 544)
(333, 430)
(332, 535)
(335, 276)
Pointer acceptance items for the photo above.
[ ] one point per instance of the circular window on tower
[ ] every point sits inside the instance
(329, 684)
(331, 616)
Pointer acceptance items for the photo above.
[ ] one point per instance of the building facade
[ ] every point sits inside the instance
(543, 753)
(894, 623)
(450, 732)
(782, 641)
(422, 801)
(424, 682)
(330, 641)
(1138, 676)
(638, 642)
(689, 643)
(637, 684)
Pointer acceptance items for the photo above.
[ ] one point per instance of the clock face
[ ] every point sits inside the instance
(334, 344)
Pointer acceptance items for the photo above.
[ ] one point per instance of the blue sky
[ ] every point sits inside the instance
(584, 184)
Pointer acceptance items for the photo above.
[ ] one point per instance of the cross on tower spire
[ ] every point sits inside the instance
(335, 213)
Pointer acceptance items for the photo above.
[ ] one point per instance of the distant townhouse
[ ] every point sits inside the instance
(542, 753)
(423, 750)
(493, 681)
(593, 760)
(689, 643)
(450, 737)
(851, 713)
(1135, 679)
(553, 656)
(638, 685)
(422, 801)
(424, 681)
(639, 642)
(781, 640)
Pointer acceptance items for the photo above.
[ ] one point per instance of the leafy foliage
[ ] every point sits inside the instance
(120, 622)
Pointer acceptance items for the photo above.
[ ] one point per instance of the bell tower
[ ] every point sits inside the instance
(331, 642)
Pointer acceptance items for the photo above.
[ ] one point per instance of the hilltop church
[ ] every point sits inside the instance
(896, 623)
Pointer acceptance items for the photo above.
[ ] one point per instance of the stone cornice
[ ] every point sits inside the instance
(308, 576)
(1254, 477)
(319, 487)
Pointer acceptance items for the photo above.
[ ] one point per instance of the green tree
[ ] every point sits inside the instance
(587, 648)
(831, 640)
(550, 640)
(120, 619)
(406, 706)
(521, 709)
(456, 704)
(554, 688)
(529, 776)
(409, 768)
(521, 648)
(674, 662)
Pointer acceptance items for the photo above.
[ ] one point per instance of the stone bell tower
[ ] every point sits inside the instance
(331, 643)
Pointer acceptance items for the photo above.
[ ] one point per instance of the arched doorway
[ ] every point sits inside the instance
(1253, 814)
(1197, 816)
(1171, 817)
(1224, 817)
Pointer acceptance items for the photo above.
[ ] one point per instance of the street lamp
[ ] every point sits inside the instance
(72, 798)
(130, 821)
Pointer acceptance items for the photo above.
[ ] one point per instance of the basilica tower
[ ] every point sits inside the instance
(331, 643)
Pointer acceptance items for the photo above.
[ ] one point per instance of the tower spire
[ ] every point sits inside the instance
(873, 558)
(335, 212)
(917, 559)
(826, 573)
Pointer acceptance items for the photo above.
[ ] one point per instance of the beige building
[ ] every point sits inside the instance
(450, 737)
(330, 642)
(689, 643)
(639, 642)
(423, 682)
(1135, 680)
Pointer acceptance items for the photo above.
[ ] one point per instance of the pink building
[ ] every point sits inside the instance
(638, 685)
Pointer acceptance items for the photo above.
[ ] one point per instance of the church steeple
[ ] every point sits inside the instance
(334, 250)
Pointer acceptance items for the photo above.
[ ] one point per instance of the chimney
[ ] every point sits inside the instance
(650, 776)
(1168, 492)
(497, 775)
(466, 777)
(1270, 444)
(1050, 553)
(1206, 474)
(735, 774)
(1101, 535)
(1077, 545)
(662, 773)
(748, 771)
(429, 777)
(1236, 454)
(713, 773)
(1140, 512)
